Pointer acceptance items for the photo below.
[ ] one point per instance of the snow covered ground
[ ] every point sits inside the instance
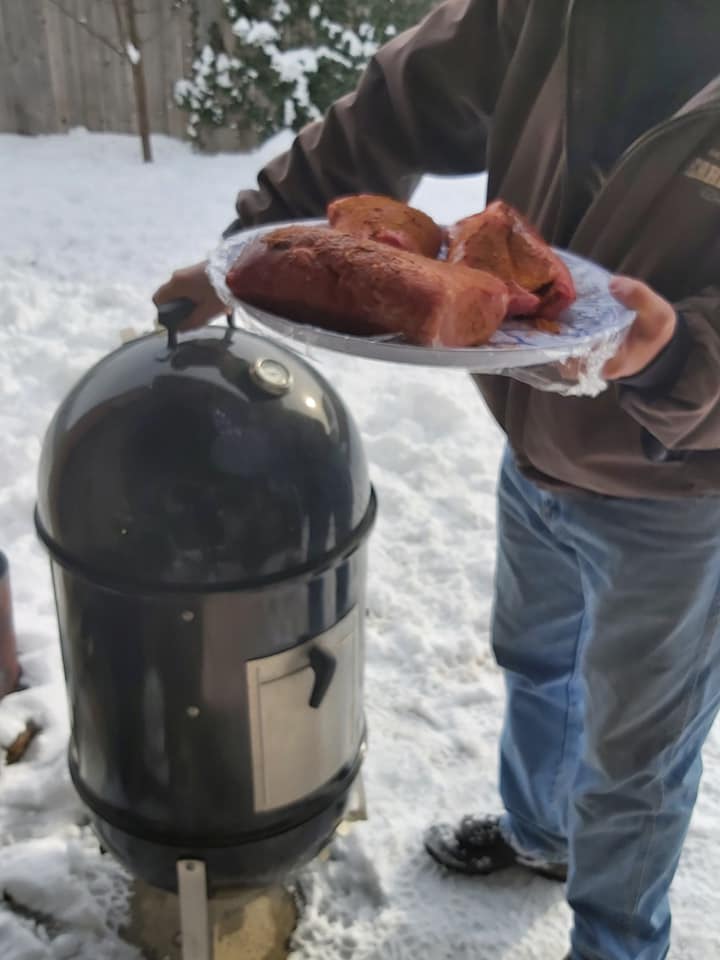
(87, 233)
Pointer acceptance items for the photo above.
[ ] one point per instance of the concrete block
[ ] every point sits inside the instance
(245, 924)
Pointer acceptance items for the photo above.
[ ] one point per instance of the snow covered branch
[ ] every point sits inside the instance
(272, 65)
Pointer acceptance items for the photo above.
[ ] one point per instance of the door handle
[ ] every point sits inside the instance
(323, 665)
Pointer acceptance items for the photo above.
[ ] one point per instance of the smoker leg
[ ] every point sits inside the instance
(192, 893)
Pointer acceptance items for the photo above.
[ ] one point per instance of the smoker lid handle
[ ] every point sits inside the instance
(323, 665)
(172, 315)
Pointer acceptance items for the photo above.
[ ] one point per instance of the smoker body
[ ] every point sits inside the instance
(206, 507)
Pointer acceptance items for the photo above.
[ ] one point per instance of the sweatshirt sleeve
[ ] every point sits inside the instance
(422, 105)
(677, 398)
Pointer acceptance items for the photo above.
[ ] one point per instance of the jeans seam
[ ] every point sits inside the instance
(571, 679)
(708, 633)
(643, 864)
(562, 761)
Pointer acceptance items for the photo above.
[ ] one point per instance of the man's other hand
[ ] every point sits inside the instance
(652, 329)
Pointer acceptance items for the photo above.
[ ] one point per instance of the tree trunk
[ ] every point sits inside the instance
(139, 86)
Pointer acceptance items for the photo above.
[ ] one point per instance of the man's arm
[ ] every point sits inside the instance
(422, 106)
(675, 394)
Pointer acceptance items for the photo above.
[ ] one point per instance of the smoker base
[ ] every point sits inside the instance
(257, 863)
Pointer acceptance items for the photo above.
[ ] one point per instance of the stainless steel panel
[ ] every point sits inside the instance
(297, 748)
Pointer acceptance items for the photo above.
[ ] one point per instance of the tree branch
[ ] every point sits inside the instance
(83, 24)
(122, 32)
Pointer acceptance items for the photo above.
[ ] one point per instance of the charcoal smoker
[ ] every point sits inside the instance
(205, 503)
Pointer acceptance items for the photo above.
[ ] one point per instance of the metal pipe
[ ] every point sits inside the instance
(192, 893)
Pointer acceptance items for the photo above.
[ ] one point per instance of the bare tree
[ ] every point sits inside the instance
(127, 44)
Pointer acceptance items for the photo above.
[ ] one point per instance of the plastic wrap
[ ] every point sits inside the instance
(568, 361)
(577, 375)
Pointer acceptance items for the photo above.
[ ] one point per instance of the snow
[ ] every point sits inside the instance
(289, 112)
(281, 10)
(89, 232)
(357, 47)
(255, 32)
(133, 54)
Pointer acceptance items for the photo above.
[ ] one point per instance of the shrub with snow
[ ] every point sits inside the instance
(270, 65)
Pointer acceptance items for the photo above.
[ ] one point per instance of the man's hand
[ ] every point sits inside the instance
(193, 283)
(652, 330)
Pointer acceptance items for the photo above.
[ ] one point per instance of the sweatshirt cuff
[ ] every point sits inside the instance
(662, 373)
(235, 227)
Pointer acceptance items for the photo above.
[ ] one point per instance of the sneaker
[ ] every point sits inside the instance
(477, 848)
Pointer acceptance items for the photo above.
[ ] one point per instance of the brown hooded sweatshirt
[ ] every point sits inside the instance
(598, 119)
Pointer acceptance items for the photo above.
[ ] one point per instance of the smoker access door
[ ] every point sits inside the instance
(306, 717)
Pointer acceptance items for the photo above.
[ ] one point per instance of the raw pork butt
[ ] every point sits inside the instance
(320, 276)
(386, 220)
(502, 242)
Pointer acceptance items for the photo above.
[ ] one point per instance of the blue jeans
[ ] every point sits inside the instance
(606, 624)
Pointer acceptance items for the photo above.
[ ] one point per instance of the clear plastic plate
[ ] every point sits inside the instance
(595, 322)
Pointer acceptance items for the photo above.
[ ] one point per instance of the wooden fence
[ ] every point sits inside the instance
(54, 75)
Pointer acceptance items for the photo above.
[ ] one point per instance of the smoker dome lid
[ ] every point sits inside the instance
(226, 461)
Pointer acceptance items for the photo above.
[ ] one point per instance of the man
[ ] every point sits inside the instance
(601, 122)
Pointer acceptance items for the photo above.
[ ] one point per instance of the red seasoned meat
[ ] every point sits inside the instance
(500, 241)
(323, 277)
(386, 220)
